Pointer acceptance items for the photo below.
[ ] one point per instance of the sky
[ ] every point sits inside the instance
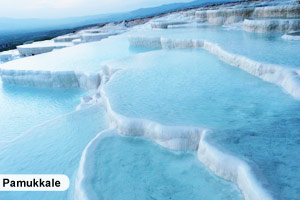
(72, 8)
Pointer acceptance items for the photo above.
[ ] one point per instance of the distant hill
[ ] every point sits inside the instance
(14, 32)
(14, 25)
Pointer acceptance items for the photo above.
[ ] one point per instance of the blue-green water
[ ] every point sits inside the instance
(268, 48)
(52, 148)
(85, 57)
(251, 119)
(135, 168)
(22, 108)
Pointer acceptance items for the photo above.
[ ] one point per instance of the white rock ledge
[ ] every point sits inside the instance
(83, 188)
(271, 25)
(165, 24)
(93, 30)
(150, 42)
(95, 36)
(224, 16)
(66, 38)
(172, 137)
(233, 15)
(287, 78)
(41, 47)
(6, 56)
(283, 11)
(292, 36)
(77, 41)
(60, 79)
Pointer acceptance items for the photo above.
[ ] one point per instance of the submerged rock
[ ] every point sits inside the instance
(292, 36)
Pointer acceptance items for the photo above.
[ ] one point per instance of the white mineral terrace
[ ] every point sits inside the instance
(271, 25)
(233, 15)
(76, 66)
(172, 137)
(91, 66)
(9, 55)
(292, 36)
(67, 38)
(165, 24)
(89, 37)
(83, 36)
(41, 47)
(287, 78)
(92, 30)
(283, 18)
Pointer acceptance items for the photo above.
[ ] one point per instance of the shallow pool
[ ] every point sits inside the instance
(22, 108)
(136, 168)
(250, 118)
(52, 148)
(81, 58)
(267, 48)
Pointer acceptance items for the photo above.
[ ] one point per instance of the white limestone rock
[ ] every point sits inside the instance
(6, 56)
(287, 78)
(141, 41)
(271, 25)
(292, 36)
(231, 15)
(95, 37)
(66, 38)
(224, 16)
(284, 11)
(77, 41)
(52, 79)
(165, 24)
(41, 47)
(94, 30)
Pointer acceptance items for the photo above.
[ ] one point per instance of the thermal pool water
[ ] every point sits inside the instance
(54, 147)
(175, 108)
(28, 107)
(250, 118)
(136, 168)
